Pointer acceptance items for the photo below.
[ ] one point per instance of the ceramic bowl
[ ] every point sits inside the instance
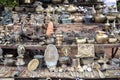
(99, 19)
(90, 40)
(112, 40)
(63, 60)
(87, 60)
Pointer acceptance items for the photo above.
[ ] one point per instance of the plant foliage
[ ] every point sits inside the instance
(9, 3)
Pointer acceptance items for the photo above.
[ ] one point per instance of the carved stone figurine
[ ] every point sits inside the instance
(50, 28)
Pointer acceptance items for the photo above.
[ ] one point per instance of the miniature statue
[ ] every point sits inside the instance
(50, 28)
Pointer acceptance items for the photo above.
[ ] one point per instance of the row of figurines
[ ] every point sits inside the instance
(57, 1)
(88, 64)
(52, 57)
(46, 35)
(64, 16)
(100, 68)
(39, 7)
(18, 36)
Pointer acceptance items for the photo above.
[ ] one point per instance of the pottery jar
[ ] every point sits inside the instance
(9, 59)
(63, 60)
(40, 58)
(99, 18)
(39, 8)
(118, 18)
(74, 62)
(101, 37)
(80, 40)
(59, 9)
(111, 17)
(71, 8)
(107, 25)
(112, 40)
(93, 11)
(88, 18)
(87, 60)
(20, 60)
(72, 17)
(78, 19)
(50, 9)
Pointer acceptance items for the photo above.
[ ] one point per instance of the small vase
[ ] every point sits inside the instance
(93, 10)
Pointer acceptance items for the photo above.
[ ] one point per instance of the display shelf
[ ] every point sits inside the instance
(66, 79)
(43, 47)
(32, 46)
(77, 3)
(114, 48)
(44, 73)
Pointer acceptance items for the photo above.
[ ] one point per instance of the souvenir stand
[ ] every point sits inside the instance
(59, 40)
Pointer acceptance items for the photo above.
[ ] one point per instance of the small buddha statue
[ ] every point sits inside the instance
(50, 29)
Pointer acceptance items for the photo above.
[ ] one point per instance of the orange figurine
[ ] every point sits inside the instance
(50, 28)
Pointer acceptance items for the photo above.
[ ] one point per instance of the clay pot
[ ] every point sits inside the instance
(72, 8)
(112, 40)
(111, 17)
(64, 60)
(72, 17)
(9, 59)
(81, 40)
(20, 60)
(39, 8)
(99, 18)
(60, 9)
(99, 6)
(50, 9)
(78, 19)
(107, 25)
(87, 60)
(101, 37)
(90, 40)
(93, 10)
(118, 16)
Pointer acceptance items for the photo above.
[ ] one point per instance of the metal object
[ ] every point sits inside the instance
(20, 60)
(40, 58)
(66, 50)
(21, 50)
(59, 38)
(74, 62)
(51, 57)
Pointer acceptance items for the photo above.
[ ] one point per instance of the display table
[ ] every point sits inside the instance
(44, 73)
(39, 47)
